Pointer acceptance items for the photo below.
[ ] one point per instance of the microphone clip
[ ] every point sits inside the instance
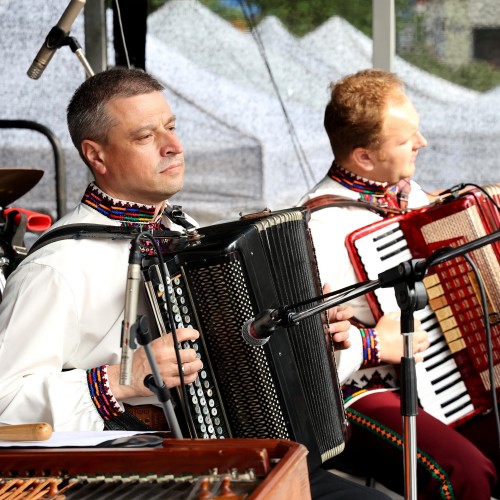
(413, 270)
(56, 38)
(277, 317)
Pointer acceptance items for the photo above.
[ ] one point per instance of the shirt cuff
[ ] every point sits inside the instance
(102, 397)
(371, 352)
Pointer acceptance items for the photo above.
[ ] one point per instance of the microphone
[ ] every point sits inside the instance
(130, 313)
(256, 331)
(54, 39)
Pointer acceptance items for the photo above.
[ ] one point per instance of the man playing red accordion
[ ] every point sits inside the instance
(374, 133)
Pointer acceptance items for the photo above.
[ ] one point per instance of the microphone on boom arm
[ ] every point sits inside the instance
(257, 331)
(55, 38)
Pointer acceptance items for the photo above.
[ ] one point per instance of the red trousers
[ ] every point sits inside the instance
(449, 464)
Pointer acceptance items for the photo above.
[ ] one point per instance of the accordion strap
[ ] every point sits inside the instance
(103, 231)
(177, 216)
(333, 200)
(94, 231)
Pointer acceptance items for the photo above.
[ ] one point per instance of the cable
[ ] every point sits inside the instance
(454, 191)
(301, 156)
(489, 344)
(173, 331)
(119, 15)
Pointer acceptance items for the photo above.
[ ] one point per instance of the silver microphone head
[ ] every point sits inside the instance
(246, 333)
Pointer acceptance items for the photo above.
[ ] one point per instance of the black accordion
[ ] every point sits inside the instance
(285, 389)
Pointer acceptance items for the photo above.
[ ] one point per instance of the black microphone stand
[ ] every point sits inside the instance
(139, 333)
(411, 295)
(154, 381)
(78, 51)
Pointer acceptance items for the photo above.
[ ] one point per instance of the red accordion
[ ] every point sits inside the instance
(453, 380)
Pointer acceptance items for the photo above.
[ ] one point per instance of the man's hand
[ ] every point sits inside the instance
(391, 341)
(163, 351)
(338, 322)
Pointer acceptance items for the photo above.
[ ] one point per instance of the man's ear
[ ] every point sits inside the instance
(362, 157)
(92, 152)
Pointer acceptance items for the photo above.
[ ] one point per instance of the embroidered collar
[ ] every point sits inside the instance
(375, 192)
(141, 217)
(126, 212)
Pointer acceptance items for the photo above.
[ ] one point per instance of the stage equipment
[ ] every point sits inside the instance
(250, 469)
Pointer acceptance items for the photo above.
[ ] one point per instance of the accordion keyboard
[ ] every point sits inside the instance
(441, 390)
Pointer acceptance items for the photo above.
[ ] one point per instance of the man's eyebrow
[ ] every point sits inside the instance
(151, 127)
(143, 128)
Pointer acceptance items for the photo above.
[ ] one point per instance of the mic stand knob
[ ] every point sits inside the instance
(154, 382)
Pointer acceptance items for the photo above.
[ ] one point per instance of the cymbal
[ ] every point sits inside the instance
(14, 182)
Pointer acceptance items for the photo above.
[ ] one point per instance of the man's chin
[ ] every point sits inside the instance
(173, 188)
(410, 171)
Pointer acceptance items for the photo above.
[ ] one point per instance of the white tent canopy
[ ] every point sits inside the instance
(243, 152)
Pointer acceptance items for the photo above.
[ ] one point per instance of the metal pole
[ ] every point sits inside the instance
(384, 34)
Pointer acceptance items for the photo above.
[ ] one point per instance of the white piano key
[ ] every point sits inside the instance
(427, 393)
(461, 413)
(437, 359)
(437, 412)
(443, 404)
(386, 232)
(449, 366)
(439, 383)
(382, 237)
(451, 392)
(434, 335)
(398, 245)
(446, 398)
(382, 250)
(395, 260)
(434, 348)
(457, 405)
(372, 253)
(425, 315)
(370, 240)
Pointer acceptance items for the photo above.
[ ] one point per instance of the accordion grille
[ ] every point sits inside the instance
(251, 402)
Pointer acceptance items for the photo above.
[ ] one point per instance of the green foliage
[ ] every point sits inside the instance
(302, 16)
(155, 4)
(477, 75)
(230, 14)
